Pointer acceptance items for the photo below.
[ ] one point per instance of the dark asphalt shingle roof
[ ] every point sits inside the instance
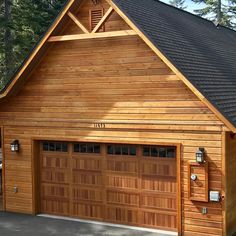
(205, 54)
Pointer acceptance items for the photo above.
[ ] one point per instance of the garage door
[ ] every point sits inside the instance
(124, 184)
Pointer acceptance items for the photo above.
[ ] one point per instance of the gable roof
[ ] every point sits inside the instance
(203, 53)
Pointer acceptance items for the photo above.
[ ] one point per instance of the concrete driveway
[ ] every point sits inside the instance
(27, 225)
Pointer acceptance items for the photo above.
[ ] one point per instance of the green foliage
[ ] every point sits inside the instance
(27, 22)
(215, 11)
(178, 3)
(232, 12)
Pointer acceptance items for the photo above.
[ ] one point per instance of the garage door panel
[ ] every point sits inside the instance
(87, 178)
(162, 185)
(55, 176)
(87, 194)
(122, 182)
(88, 211)
(87, 163)
(55, 190)
(56, 207)
(123, 198)
(124, 165)
(122, 215)
(162, 220)
(158, 168)
(159, 201)
(58, 161)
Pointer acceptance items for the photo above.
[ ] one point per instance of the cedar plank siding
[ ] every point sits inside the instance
(122, 83)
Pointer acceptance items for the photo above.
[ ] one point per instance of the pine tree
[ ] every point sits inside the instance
(2, 27)
(22, 23)
(6, 44)
(232, 12)
(8, 36)
(215, 11)
(178, 3)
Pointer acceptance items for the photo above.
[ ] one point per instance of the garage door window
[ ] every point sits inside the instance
(156, 151)
(87, 148)
(55, 146)
(122, 150)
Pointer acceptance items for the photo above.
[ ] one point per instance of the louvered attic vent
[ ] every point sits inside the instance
(95, 16)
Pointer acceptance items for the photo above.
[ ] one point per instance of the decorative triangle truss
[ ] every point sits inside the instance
(94, 33)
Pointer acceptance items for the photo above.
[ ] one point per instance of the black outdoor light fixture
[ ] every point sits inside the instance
(200, 153)
(15, 146)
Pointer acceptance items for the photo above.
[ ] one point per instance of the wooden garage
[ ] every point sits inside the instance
(125, 112)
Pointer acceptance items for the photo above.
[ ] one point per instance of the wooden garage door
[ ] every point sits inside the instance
(125, 184)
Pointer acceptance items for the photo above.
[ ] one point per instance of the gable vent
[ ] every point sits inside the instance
(95, 16)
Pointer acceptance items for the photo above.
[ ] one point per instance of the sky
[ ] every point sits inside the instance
(190, 5)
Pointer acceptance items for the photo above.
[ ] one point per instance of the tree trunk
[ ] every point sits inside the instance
(8, 37)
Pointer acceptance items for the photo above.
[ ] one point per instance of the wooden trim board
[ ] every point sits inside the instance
(3, 170)
(63, 139)
(203, 166)
(179, 195)
(35, 150)
(224, 185)
(77, 22)
(119, 33)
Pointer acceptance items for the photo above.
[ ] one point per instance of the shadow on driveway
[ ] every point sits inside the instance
(26, 225)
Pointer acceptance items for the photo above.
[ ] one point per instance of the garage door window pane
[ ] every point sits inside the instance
(55, 146)
(171, 153)
(146, 151)
(162, 152)
(58, 147)
(132, 151)
(125, 151)
(110, 149)
(86, 148)
(51, 146)
(117, 150)
(159, 151)
(64, 147)
(45, 146)
(96, 148)
(121, 150)
(90, 148)
(154, 152)
(83, 148)
(76, 147)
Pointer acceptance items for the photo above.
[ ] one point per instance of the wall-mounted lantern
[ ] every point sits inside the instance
(200, 155)
(15, 146)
